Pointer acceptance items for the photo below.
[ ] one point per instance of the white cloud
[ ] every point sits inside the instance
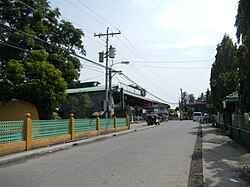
(198, 16)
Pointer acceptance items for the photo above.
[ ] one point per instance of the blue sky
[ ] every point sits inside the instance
(170, 44)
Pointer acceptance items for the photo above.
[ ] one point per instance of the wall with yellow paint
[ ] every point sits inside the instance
(16, 110)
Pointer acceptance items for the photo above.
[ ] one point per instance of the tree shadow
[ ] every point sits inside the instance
(225, 163)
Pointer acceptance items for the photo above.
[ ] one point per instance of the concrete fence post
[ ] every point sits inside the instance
(98, 126)
(115, 123)
(72, 126)
(128, 121)
(28, 135)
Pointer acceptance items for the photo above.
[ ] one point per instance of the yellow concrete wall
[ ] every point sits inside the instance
(16, 110)
(14, 147)
(42, 142)
(86, 134)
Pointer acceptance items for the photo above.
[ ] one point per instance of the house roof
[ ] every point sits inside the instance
(102, 89)
(233, 97)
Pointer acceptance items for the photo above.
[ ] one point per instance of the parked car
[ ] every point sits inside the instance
(197, 116)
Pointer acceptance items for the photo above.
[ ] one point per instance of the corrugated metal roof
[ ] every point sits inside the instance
(85, 90)
(102, 88)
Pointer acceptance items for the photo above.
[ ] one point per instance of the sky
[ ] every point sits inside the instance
(170, 44)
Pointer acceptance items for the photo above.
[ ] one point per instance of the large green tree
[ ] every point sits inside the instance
(224, 74)
(242, 24)
(33, 79)
(28, 27)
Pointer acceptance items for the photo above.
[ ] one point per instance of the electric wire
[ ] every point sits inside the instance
(76, 54)
(116, 28)
(98, 15)
(86, 13)
(171, 61)
(61, 48)
(181, 68)
(86, 29)
(126, 77)
(93, 78)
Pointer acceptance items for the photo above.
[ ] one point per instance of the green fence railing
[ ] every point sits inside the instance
(240, 121)
(121, 122)
(84, 125)
(49, 128)
(106, 123)
(12, 131)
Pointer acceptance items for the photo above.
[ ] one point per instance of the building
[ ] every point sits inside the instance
(133, 98)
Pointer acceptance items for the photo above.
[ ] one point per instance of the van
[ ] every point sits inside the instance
(197, 116)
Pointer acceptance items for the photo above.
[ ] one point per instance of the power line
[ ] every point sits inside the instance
(114, 27)
(93, 78)
(93, 69)
(86, 29)
(98, 15)
(61, 48)
(86, 13)
(164, 67)
(171, 61)
(118, 38)
(86, 58)
(125, 76)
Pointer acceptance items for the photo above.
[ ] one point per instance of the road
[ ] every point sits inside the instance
(159, 156)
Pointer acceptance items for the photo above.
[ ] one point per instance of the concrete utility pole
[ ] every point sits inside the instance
(107, 34)
(181, 104)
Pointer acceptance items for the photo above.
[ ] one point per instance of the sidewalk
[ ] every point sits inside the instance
(225, 163)
(49, 149)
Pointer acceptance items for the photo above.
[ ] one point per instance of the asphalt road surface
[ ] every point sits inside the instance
(159, 156)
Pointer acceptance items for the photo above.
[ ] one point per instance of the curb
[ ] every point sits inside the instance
(26, 154)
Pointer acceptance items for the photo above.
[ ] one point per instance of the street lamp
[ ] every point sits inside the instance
(110, 82)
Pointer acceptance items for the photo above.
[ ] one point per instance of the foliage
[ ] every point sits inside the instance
(242, 24)
(37, 54)
(224, 74)
(191, 98)
(201, 98)
(34, 80)
(76, 104)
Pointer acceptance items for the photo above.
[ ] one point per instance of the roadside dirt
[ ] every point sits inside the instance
(196, 170)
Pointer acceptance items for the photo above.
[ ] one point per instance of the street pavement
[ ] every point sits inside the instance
(225, 162)
(49, 149)
(159, 156)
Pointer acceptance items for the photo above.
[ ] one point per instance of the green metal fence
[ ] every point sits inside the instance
(11, 131)
(106, 123)
(241, 122)
(121, 122)
(49, 128)
(84, 125)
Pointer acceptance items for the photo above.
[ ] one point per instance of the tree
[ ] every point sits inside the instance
(242, 24)
(31, 26)
(224, 74)
(201, 98)
(191, 98)
(208, 96)
(76, 104)
(34, 72)
(184, 98)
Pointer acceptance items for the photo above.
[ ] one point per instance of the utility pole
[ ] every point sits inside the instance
(181, 104)
(107, 34)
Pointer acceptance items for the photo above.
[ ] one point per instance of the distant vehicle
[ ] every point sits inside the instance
(153, 119)
(197, 116)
